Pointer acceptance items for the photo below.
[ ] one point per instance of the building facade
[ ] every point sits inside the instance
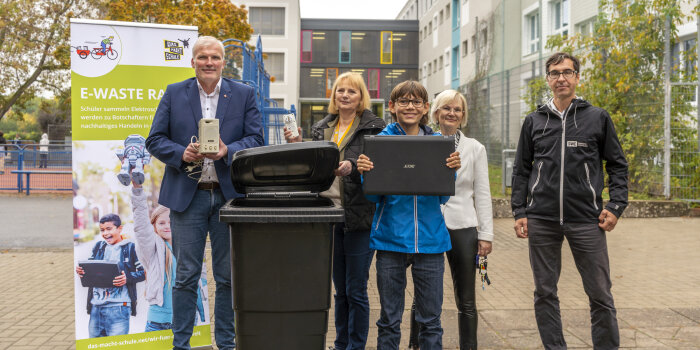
(278, 24)
(383, 51)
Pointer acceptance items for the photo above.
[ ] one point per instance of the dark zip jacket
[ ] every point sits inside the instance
(358, 210)
(562, 181)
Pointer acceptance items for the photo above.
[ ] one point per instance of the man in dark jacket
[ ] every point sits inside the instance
(557, 185)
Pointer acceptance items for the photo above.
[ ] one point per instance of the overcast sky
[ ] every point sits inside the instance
(351, 9)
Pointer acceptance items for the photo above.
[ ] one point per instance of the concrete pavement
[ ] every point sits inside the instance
(654, 264)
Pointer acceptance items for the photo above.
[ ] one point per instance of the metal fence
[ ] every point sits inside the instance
(497, 107)
(29, 157)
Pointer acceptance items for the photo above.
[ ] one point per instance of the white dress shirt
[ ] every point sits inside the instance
(209, 103)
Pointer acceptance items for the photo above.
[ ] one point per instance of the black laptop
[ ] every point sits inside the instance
(409, 165)
(99, 273)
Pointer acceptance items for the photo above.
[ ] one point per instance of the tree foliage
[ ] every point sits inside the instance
(219, 18)
(34, 48)
(623, 67)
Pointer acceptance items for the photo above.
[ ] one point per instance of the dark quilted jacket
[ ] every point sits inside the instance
(358, 210)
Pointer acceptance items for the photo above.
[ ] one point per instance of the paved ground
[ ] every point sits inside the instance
(654, 263)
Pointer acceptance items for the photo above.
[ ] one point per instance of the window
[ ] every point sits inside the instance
(386, 48)
(465, 48)
(430, 27)
(441, 61)
(447, 57)
(560, 17)
(274, 65)
(266, 20)
(455, 14)
(430, 68)
(435, 65)
(442, 13)
(474, 43)
(465, 11)
(484, 37)
(533, 32)
(344, 44)
(689, 47)
(373, 82)
(425, 32)
(331, 75)
(420, 36)
(447, 11)
(306, 43)
(585, 28)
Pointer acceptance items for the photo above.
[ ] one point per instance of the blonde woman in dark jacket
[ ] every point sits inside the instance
(349, 119)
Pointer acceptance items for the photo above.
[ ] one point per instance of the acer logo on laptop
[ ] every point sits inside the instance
(409, 166)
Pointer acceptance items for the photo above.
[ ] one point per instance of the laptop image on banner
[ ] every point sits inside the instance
(409, 165)
(98, 273)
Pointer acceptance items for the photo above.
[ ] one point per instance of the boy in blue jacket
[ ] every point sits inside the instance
(110, 308)
(409, 230)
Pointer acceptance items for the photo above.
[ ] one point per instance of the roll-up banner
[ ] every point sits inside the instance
(124, 268)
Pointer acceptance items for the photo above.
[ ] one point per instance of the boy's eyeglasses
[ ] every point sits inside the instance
(555, 74)
(403, 102)
(456, 110)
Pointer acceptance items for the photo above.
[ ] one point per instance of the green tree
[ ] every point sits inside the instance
(34, 49)
(623, 65)
(218, 18)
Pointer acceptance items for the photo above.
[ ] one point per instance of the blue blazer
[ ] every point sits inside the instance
(177, 120)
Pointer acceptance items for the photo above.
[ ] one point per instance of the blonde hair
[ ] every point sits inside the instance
(206, 41)
(444, 98)
(158, 211)
(356, 81)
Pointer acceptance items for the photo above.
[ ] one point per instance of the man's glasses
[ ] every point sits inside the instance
(403, 102)
(555, 74)
(448, 109)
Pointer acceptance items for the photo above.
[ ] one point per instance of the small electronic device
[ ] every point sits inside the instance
(208, 136)
(290, 122)
(99, 273)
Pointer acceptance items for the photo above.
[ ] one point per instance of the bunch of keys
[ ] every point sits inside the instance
(481, 263)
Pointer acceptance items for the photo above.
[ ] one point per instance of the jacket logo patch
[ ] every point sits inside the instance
(409, 166)
(576, 144)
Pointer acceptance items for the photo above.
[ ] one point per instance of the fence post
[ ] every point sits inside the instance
(667, 109)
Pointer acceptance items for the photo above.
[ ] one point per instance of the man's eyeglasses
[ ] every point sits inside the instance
(403, 102)
(448, 109)
(554, 74)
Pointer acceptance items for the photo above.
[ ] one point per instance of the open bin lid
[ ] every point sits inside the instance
(291, 167)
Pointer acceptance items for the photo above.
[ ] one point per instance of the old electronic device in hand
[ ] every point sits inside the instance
(290, 122)
(208, 136)
(99, 273)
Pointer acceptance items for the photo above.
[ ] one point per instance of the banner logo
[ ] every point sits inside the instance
(173, 49)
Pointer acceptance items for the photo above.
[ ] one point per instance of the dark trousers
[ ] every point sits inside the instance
(43, 160)
(463, 269)
(351, 261)
(589, 248)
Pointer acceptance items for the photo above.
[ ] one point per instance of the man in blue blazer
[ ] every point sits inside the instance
(196, 185)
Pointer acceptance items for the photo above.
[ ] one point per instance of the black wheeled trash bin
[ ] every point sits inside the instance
(282, 244)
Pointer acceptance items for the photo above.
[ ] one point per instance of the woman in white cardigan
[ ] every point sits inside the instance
(468, 214)
(154, 249)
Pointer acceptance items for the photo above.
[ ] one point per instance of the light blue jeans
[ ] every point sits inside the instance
(190, 229)
(108, 320)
